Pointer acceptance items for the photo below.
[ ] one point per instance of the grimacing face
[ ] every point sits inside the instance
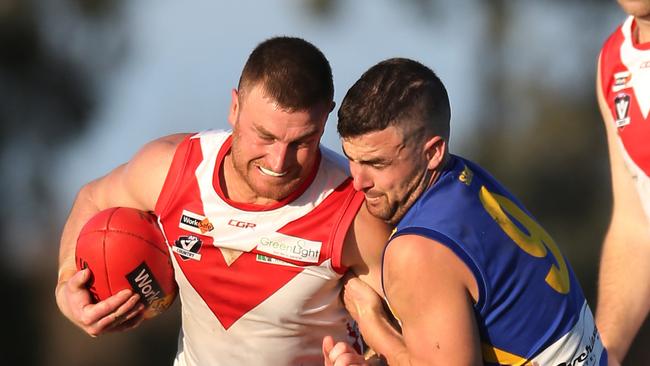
(388, 170)
(273, 150)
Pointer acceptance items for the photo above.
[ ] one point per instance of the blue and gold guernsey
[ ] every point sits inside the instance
(531, 309)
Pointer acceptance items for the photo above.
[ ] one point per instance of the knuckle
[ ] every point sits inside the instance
(85, 320)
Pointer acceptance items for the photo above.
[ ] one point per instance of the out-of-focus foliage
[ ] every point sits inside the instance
(47, 98)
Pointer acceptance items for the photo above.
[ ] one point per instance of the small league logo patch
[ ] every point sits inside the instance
(622, 104)
(187, 247)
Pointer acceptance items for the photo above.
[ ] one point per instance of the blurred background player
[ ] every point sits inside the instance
(470, 274)
(623, 89)
(261, 222)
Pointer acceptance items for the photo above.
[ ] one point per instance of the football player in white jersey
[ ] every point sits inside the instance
(271, 162)
(623, 87)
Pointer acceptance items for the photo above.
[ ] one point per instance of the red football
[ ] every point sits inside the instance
(124, 248)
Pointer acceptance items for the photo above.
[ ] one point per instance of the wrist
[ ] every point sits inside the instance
(63, 277)
(381, 335)
(65, 272)
(371, 317)
(57, 296)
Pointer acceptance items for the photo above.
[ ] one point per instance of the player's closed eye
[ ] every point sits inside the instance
(302, 143)
(266, 139)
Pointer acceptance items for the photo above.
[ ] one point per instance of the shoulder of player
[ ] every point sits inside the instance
(409, 248)
(609, 56)
(145, 173)
(165, 144)
(157, 152)
(419, 271)
(605, 112)
(408, 257)
(615, 38)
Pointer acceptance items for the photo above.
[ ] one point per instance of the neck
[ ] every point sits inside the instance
(642, 33)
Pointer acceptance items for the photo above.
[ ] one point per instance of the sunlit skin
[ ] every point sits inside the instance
(637, 8)
(640, 9)
(273, 149)
(623, 305)
(391, 171)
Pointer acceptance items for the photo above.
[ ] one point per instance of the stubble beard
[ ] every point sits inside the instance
(248, 169)
(393, 211)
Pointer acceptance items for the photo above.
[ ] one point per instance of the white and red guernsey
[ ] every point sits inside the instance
(625, 83)
(273, 303)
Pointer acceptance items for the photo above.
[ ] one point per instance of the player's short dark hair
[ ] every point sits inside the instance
(399, 92)
(292, 71)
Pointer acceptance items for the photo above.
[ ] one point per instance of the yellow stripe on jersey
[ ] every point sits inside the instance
(495, 355)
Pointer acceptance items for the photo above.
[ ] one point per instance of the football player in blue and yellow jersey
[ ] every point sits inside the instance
(469, 273)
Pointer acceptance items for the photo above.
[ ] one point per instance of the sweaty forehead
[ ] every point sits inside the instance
(384, 144)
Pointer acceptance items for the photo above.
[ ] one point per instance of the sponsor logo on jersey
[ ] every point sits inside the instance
(290, 247)
(270, 260)
(241, 224)
(581, 345)
(144, 283)
(644, 64)
(195, 223)
(622, 105)
(187, 247)
(587, 356)
(466, 176)
(621, 81)
(205, 225)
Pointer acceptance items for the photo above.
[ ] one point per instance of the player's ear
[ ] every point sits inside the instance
(233, 113)
(434, 149)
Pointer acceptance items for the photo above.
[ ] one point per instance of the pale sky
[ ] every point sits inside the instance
(185, 57)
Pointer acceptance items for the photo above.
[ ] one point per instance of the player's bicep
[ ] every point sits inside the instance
(138, 182)
(426, 285)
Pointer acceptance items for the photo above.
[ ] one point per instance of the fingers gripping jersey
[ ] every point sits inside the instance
(259, 285)
(531, 310)
(625, 83)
